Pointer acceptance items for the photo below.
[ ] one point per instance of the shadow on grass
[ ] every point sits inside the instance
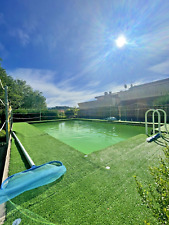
(159, 143)
(166, 139)
(34, 193)
(162, 143)
(25, 200)
(17, 207)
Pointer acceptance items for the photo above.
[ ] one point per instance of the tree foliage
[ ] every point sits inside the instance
(69, 113)
(163, 100)
(20, 94)
(72, 112)
(157, 196)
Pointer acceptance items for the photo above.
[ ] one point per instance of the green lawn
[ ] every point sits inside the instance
(88, 193)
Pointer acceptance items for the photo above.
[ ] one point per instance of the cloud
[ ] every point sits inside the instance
(22, 35)
(24, 32)
(31, 75)
(161, 68)
(61, 93)
(93, 84)
(71, 98)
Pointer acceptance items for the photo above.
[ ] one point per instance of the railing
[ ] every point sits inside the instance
(7, 113)
(153, 120)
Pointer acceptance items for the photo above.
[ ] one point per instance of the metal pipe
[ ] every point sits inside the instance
(6, 114)
(165, 119)
(146, 125)
(159, 120)
(30, 161)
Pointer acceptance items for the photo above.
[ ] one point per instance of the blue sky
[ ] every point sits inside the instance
(67, 48)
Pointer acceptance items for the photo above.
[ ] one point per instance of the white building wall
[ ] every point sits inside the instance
(153, 89)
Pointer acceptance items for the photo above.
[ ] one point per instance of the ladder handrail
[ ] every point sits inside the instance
(146, 127)
(165, 118)
(159, 120)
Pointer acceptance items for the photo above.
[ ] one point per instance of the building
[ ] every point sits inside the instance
(136, 98)
(145, 93)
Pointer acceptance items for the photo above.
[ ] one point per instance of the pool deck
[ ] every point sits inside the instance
(136, 123)
(163, 128)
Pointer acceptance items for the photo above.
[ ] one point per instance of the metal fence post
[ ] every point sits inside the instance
(6, 114)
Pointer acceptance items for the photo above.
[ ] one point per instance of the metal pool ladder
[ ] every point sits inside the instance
(159, 120)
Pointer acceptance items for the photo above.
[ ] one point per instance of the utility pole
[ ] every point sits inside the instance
(6, 114)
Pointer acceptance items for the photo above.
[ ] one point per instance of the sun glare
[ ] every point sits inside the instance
(120, 41)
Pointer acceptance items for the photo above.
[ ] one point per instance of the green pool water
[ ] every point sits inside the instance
(87, 136)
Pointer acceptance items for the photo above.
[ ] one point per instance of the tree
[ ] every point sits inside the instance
(157, 196)
(73, 112)
(69, 113)
(20, 94)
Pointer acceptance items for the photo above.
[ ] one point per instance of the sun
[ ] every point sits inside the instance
(121, 41)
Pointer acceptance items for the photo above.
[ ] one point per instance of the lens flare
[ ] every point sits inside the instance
(120, 41)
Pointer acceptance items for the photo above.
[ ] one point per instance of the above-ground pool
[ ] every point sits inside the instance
(89, 136)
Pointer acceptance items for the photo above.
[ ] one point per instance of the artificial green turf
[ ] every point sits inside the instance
(88, 193)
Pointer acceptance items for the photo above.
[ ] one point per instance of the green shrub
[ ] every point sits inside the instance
(156, 197)
(2, 136)
(34, 114)
(72, 112)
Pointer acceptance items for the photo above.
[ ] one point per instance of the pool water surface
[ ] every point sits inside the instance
(89, 136)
